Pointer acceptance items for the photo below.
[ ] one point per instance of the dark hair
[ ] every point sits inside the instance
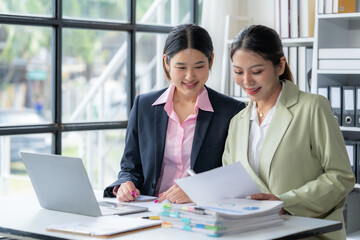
(264, 41)
(187, 36)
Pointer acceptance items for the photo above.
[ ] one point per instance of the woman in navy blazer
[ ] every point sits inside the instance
(188, 52)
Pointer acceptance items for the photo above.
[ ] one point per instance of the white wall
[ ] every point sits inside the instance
(213, 20)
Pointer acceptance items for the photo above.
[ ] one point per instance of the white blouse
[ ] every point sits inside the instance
(257, 133)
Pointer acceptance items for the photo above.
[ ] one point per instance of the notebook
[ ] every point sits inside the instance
(105, 226)
(62, 184)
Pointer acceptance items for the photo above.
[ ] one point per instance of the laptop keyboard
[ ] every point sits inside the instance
(109, 208)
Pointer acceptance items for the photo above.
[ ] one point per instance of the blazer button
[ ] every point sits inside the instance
(153, 185)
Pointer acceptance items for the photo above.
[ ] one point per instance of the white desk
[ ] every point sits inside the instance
(23, 217)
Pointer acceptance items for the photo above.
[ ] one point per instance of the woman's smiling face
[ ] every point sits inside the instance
(256, 75)
(189, 71)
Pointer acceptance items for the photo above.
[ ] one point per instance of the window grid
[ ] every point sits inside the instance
(58, 23)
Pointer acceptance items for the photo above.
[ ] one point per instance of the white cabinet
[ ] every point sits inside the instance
(339, 35)
(340, 32)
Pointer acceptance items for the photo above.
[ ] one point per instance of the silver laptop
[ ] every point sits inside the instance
(62, 184)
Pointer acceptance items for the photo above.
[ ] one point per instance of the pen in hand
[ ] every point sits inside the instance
(151, 217)
(191, 172)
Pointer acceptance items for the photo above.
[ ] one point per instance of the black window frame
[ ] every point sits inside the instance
(57, 23)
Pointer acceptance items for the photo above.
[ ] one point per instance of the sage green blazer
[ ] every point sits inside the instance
(303, 159)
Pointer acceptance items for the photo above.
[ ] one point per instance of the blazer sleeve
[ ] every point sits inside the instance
(316, 198)
(131, 167)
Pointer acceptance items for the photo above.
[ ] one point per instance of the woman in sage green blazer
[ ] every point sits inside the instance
(288, 140)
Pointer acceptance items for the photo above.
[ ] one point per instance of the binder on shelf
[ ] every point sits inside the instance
(339, 64)
(335, 7)
(357, 175)
(286, 53)
(339, 53)
(328, 6)
(348, 106)
(284, 19)
(335, 101)
(321, 7)
(309, 61)
(294, 18)
(277, 17)
(301, 71)
(307, 18)
(293, 59)
(323, 91)
(346, 6)
(351, 148)
(357, 107)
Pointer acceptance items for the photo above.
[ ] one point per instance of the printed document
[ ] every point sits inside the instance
(221, 183)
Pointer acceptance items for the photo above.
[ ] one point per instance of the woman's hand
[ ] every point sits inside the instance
(267, 196)
(127, 192)
(174, 195)
(264, 196)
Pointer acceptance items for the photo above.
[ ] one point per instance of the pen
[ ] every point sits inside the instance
(191, 172)
(151, 217)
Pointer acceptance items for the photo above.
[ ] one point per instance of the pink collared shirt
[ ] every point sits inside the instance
(179, 139)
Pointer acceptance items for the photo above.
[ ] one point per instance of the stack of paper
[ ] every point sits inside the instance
(225, 217)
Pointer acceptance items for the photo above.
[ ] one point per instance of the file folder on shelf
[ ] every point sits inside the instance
(358, 163)
(351, 151)
(346, 6)
(357, 114)
(323, 91)
(335, 101)
(348, 106)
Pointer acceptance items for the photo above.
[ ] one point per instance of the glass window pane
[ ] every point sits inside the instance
(149, 57)
(25, 75)
(13, 176)
(94, 75)
(99, 10)
(27, 7)
(101, 152)
(163, 12)
(200, 6)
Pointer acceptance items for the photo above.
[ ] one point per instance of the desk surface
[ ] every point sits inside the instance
(22, 216)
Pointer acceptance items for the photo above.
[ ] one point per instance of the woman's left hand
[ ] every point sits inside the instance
(264, 196)
(267, 196)
(174, 195)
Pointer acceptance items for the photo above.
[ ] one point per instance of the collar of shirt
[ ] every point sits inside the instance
(202, 101)
(268, 117)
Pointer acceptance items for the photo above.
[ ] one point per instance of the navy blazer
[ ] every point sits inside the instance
(146, 133)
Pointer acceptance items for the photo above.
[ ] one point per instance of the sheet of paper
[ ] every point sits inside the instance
(221, 183)
(151, 205)
(238, 207)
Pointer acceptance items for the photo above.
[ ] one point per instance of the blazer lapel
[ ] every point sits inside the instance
(161, 122)
(202, 124)
(244, 133)
(279, 124)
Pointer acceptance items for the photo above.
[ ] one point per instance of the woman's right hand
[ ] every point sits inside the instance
(127, 192)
